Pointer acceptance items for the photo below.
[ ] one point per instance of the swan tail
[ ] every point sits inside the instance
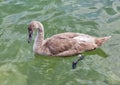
(100, 41)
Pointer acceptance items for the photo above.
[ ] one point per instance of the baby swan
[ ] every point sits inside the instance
(63, 44)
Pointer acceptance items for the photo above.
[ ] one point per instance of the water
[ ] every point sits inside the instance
(19, 65)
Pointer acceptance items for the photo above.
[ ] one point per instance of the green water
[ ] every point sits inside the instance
(19, 65)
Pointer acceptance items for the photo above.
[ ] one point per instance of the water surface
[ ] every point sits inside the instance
(19, 65)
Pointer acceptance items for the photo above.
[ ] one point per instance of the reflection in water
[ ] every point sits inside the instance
(98, 52)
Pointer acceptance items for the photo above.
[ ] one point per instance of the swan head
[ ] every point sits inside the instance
(32, 26)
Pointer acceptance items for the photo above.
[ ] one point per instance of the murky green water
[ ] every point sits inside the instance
(19, 65)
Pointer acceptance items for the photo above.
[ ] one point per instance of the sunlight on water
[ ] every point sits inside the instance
(19, 65)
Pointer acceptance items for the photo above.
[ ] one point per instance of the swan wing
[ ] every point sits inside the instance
(69, 44)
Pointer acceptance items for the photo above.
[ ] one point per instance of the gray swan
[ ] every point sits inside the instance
(63, 44)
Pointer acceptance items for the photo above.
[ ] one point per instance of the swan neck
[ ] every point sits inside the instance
(39, 39)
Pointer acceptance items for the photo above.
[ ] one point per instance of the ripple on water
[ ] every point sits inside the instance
(19, 65)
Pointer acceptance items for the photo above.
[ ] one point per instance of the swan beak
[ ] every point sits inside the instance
(30, 36)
